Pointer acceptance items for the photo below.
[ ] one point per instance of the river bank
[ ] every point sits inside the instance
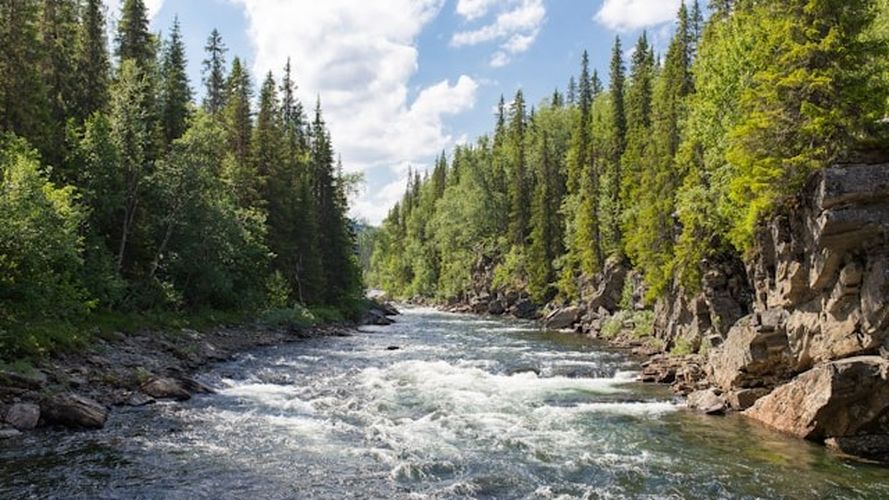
(78, 389)
(465, 407)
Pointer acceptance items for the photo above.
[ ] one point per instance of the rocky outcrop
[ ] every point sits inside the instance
(810, 359)
(73, 411)
(607, 287)
(693, 320)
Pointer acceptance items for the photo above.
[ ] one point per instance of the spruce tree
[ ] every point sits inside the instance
(134, 41)
(175, 91)
(519, 197)
(93, 66)
(58, 37)
(618, 142)
(214, 73)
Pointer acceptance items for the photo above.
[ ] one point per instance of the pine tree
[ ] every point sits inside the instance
(175, 91)
(214, 73)
(93, 66)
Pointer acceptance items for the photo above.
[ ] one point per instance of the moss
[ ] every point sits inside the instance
(682, 347)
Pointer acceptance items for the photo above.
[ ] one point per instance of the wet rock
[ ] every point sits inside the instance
(71, 410)
(524, 309)
(660, 369)
(707, 401)
(741, 399)
(137, 399)
(376, 317)
(563, 318)
(871, 447)
(393, 348)
(496, 307)
(9, 433)
(165, 388)
(843, 398)
(195, 387)
(23, 416)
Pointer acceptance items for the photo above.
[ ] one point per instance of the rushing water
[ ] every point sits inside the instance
(466, 407)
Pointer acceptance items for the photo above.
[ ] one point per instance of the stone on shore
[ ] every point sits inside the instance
(845, 398)
(71, 410)
(708, 401)
(165, 388)
(563, 318)
(23, 416)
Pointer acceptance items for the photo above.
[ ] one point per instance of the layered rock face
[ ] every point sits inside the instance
(820, 274)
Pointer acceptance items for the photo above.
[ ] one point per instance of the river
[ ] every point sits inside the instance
(465, 407)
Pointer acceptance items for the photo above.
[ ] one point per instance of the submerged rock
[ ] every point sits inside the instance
(71, 410)
(845, 398)
(23, 416)
(9, 433)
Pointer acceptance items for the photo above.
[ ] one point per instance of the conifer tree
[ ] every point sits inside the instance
(93, 66)
(175, 91)
(214, 73)
(518, 179)
(618, 143)
(134, 41)
(58, 38)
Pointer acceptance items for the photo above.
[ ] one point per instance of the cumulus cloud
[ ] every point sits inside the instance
(515, 28)
(359, 57)
(625, 15)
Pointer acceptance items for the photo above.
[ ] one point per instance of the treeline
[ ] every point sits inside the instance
(119, 193)
(668, 166)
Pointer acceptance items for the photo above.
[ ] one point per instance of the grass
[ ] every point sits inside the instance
(24, 343)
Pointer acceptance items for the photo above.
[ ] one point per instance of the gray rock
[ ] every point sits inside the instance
(139, 399)
(750, 357)
(524, 309)
(71, 410)
(741, 399)
(496, 307)
(23, 416)
(34, 380)
(707, 401)
(9, 433)
(563, 318)
(165, 388)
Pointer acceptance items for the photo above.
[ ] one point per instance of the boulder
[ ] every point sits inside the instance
(496, 307)
(844, 398)
(524, 309)
(871, 447)
(376, 317)
(140, 399)
(34, 380)
(563, 318)
(165, 388)
(71, 410)
(23, 416)
(708, 401)
(741, 399)
(9, 433)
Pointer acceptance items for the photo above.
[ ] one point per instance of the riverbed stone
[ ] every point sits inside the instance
(23, 416)
(9, 433)
(165, 388)
(563, 318)
(74, 411)
(708, 401)
(844, 398)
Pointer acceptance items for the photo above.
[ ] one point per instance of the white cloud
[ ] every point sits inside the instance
(360, 57)
(625, 15)
(515, 27)
(474, 9)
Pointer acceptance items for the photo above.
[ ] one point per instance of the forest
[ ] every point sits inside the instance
(121, 197)
(666, 162)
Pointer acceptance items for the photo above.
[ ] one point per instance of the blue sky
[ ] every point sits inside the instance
(401, 80)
